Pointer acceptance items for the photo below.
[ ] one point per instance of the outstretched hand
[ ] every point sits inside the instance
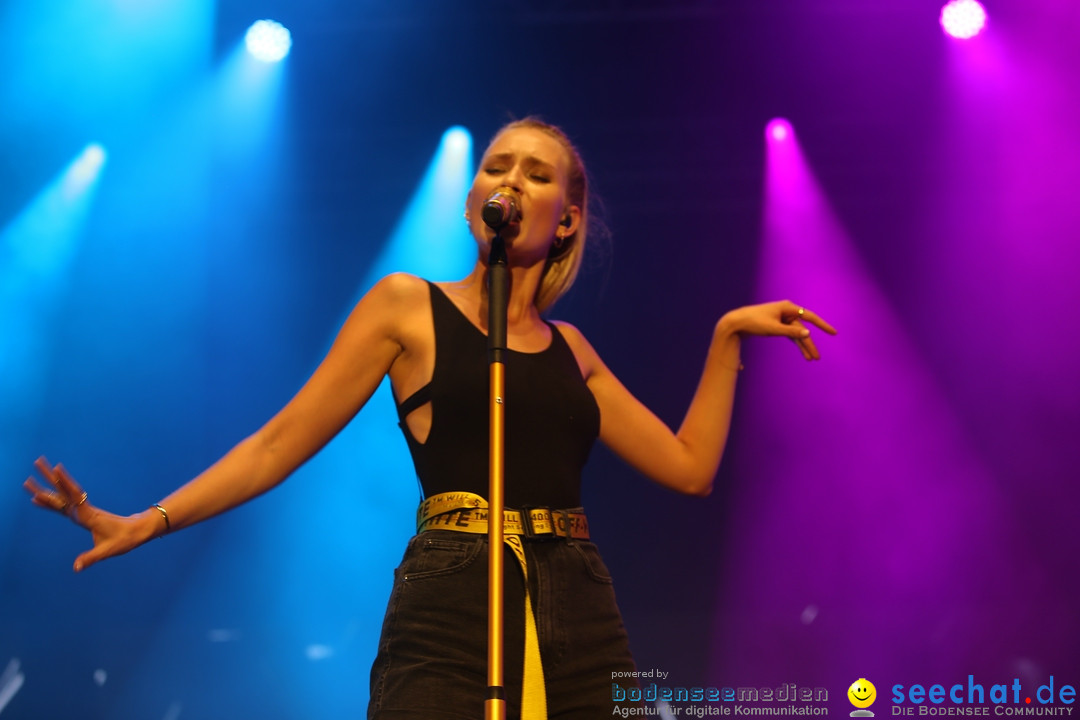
(112, 534)
(783, 318)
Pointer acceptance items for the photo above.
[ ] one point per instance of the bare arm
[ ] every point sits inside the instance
(363, 352)
(687, 460)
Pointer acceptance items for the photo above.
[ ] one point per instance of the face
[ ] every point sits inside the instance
(535, 165)
(862, 693)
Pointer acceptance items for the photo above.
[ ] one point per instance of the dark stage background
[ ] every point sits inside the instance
(902, 511)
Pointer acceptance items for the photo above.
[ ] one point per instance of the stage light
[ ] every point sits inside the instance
(44, 235)
(268, 41)
(83, 171)
(457, 140)
(778, 129)
(963, 19)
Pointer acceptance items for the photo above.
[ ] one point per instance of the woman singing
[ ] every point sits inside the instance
(430, 338)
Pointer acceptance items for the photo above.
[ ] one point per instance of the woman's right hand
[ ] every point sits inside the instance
(112, 534)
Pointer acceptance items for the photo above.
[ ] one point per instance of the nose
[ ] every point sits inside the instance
(513, 178)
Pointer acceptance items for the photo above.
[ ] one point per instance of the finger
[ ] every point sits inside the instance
(100, 551)
(87, 559)
(68, 486)
(800, 335)
(802, 348)
(795, 330)
(44, 498)
(46, 469)
(51, 502)
(68, 497)
(789, 311)
(33, 487)
(810, 351)
(806, 343)
(817, 321)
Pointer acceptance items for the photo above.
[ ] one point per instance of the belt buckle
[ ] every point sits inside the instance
(530, 529)
(526, 522)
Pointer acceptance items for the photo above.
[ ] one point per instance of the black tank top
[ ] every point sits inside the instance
(552, 419)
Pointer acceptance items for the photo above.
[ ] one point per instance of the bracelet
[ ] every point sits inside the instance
(165, 515)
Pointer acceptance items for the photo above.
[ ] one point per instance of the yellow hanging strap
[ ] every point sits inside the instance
(533, 692)
(467, 512)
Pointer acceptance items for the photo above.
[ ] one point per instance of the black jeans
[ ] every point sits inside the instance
(432, 660)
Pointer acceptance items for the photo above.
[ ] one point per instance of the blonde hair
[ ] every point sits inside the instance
(563, 262)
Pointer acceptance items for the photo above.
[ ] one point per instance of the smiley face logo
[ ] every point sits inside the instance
(862, 693)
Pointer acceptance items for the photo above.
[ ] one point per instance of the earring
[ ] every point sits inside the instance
(559, 247)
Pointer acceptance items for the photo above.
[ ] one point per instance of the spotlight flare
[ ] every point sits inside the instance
(457, 139)
(963, 19)
(778, 130)
(83, 171)
(268, 41)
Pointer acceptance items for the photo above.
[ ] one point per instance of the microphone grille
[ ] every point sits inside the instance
(493, 215)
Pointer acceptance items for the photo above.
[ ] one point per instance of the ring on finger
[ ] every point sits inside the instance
(802, 311)
(70, 508)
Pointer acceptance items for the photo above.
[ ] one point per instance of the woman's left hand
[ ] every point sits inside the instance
(783, 318)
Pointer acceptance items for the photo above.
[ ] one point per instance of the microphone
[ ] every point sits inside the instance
(501, 208)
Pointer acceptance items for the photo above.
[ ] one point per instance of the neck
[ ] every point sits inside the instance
(524, 282)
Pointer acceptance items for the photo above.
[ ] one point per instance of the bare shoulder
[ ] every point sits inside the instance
(570, 333)
(401, 290)
(404, 301)
(397, 299)
(393, 309)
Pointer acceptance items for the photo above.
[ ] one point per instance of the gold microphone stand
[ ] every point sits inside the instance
(498, 298)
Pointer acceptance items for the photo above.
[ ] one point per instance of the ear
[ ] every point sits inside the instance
(468, 201)
(570, 221)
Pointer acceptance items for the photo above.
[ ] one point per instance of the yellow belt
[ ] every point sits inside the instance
(468, 512)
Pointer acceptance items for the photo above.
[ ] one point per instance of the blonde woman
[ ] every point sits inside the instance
(430, 339)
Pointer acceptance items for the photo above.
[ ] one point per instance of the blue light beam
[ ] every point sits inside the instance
(368, 462)
(41, 240)
(248, 97)
(310, 601)
(36, 251)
